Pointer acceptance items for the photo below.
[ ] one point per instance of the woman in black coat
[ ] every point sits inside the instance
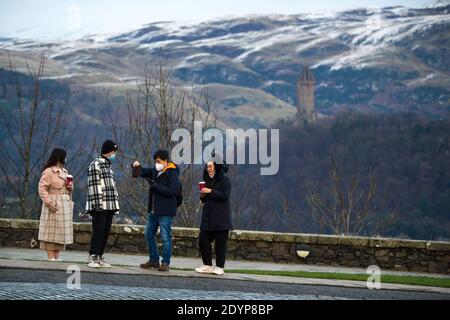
(216, 217)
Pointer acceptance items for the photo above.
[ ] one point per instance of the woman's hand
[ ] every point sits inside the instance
(136, 164)
(69, 186)
(205, 190)
(53, 207)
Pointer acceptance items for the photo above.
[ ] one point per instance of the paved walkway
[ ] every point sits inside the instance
(59, 291)
(134, 260)
(129, 264)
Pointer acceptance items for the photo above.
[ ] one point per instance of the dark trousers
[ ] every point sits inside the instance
(101, 225)
(220, 239)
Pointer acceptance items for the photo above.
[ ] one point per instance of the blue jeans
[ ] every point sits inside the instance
(165, 223)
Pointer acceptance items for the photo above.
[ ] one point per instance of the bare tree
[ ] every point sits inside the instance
(152, 113)
(288, 217)
(249, 201)
(344, 208)
(34, 125)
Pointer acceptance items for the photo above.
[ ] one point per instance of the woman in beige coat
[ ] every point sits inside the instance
(56, 223)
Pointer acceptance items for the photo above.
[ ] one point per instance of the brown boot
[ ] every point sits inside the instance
(163, 267)
(148, 265)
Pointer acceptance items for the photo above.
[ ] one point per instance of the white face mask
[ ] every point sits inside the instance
(159, 167)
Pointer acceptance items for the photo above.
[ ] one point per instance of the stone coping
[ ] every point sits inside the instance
(246, 235)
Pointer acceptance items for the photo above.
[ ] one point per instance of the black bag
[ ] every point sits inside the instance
(135, 171)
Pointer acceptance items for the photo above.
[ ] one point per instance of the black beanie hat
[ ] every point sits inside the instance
(108, 146)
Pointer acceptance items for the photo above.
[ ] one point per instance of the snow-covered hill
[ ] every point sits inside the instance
(370, 59)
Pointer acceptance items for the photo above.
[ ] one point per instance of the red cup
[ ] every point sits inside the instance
(69, 179)
(201, 185)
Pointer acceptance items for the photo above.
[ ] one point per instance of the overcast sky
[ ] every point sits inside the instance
(51, 19)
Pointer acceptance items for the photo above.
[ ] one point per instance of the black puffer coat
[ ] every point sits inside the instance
(216, 213)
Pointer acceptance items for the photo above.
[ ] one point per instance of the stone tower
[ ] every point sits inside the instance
(305, 96)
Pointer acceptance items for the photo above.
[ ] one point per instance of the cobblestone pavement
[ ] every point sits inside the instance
(51, 284)
(59, 291)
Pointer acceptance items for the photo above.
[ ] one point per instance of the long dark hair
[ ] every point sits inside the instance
(219, 168)
(58, 156)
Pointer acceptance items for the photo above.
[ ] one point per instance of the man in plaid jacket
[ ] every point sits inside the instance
(102, 202)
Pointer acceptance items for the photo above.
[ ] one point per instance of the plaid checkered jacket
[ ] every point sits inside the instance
(102, 191)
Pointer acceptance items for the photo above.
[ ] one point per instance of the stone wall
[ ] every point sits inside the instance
(393, 254)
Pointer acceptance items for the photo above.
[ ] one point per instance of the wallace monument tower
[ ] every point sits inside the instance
(305, 97)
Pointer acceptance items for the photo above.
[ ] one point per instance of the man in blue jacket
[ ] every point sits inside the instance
(163, 200)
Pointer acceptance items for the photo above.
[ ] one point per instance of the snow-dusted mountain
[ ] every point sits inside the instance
(386, 60)
(438, 3)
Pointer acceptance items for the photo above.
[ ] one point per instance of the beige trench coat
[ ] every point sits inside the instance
(55, 227)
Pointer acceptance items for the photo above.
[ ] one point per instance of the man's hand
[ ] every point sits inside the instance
(136, 164)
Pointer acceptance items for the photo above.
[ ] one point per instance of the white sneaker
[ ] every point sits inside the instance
(58, 259)
(103, 264)
(205, 269)
(218, 271)
(52, 259)
(94, 262)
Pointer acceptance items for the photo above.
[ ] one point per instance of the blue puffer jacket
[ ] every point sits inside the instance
(162, 195)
